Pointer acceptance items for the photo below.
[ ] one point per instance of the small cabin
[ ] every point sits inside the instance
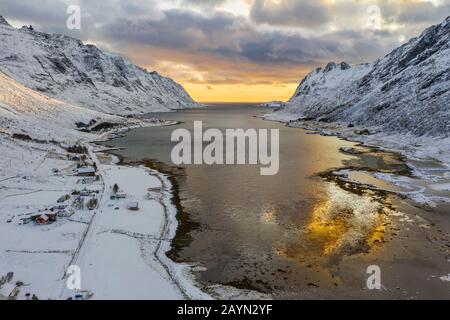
(87, 193)
(86, 171)
(118, 195)
(42, 219)
(65, 213)
(134, 206)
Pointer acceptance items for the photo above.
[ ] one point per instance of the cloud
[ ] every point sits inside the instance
(203, 3)
(200, 43)
(308, 13)
(422, 12)
(46, 14)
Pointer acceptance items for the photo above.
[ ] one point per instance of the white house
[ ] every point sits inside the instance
(86, 171)
(133, 206)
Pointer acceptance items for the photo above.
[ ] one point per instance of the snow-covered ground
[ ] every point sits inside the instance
(122, 256)
(121, 253)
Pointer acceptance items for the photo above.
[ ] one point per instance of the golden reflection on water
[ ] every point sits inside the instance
(345, 222)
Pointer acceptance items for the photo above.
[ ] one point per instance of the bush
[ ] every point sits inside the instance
(92, 203)
(77, 149)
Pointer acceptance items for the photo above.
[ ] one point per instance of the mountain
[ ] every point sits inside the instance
(64, 68)
(28, 113)
(406, 91)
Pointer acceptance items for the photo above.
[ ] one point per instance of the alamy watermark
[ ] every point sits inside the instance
(374, 17)
(235, 146)
(374, 280)
(73, 281)
(73, 21)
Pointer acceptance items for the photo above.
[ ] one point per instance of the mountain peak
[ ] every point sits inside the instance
(61, 67)
(3, 21)
(330, 66)
(344, 65)
(406, 91)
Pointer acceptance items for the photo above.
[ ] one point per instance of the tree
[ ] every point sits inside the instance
(92, 203)
(115, 188)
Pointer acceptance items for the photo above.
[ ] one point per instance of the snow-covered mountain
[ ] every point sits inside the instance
(32, 114)
(406, 91)
(64, 68)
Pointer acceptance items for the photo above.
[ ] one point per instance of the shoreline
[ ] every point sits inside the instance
(413, 158)
(163, 247)
(368, 187)
(179, 273)
(177, 234)
(181, 225)
(172, 208)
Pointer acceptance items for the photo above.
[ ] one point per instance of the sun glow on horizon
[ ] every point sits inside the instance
(240, 92)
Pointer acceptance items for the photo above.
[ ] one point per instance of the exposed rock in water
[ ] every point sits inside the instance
(104, 126)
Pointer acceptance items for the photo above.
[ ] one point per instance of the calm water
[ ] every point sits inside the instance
(283, 234)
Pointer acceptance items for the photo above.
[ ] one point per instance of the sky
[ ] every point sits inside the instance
(236, 50)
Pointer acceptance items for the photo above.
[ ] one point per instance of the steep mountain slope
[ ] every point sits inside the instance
(27, 112)
(406, 91)
(65, 68)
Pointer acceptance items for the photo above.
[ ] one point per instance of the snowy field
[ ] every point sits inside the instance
(120, 252)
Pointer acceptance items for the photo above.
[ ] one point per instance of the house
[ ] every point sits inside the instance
(133, 206)
(60, 207)
(65, 213)
(42, 219)
(86, 193)
(121, 195)
(9, 291)
(118, 195)
(86, 171)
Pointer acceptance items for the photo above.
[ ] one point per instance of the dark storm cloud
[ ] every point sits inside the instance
(221, 35)
(226, 36)
(308, 13)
